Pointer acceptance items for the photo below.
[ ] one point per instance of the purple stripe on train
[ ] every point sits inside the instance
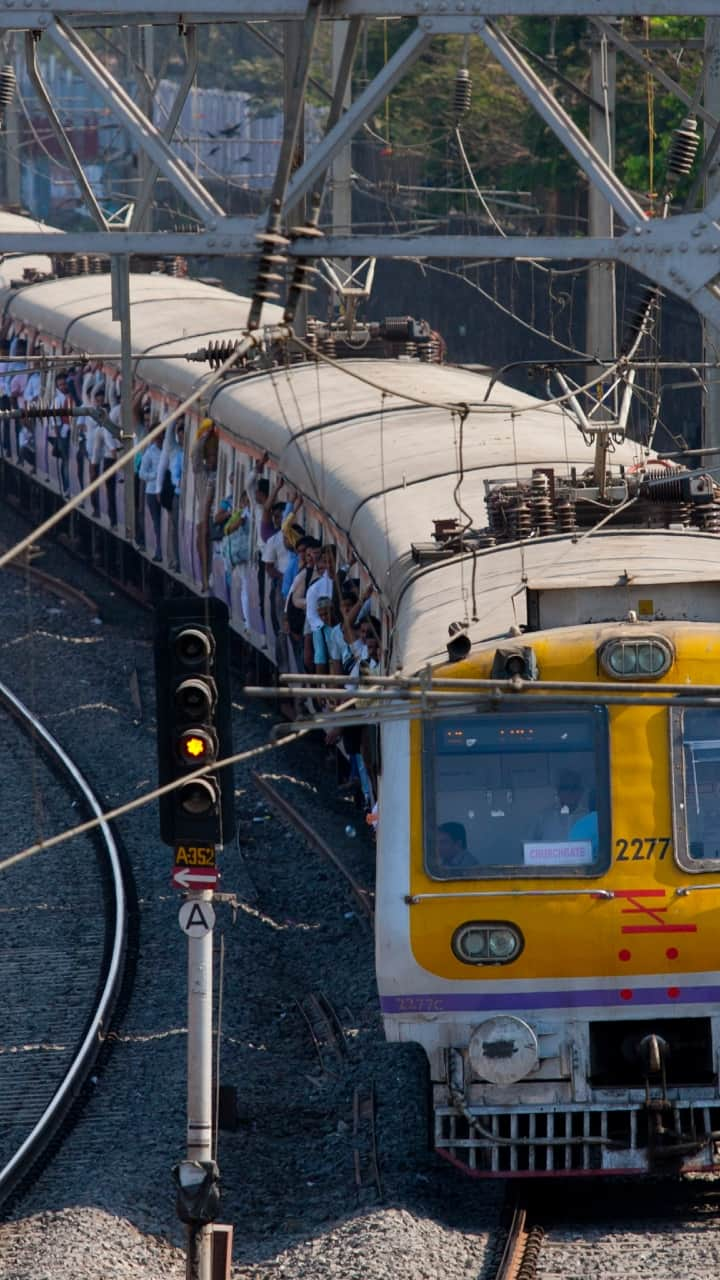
(624, 997)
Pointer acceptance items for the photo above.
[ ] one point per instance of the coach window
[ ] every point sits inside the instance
(696, 786)
(517, 795)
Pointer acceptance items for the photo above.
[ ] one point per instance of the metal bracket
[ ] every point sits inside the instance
(191, 64)
(56, 125)
(356, 115)
(132, 118)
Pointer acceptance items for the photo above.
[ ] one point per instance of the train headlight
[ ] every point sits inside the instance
(644, 659)
(503, 1050)
(503, 943)
(487, 942)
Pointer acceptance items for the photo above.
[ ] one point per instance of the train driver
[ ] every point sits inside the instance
(451, 846)
(555, 822)
(586, 827)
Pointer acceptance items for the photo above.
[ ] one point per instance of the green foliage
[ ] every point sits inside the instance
(507, 143)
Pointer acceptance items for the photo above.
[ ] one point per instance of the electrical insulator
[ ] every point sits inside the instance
(685, 142)
(216, 353)
(640, 317)
(272, 242)
(7, 90)
(462, 96)
(397, 328)
(303, 268)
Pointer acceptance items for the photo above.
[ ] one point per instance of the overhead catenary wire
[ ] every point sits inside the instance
(489, 297)
(138, 802)
(470, 407)
(111, 815)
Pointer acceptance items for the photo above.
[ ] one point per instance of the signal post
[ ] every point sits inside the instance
(194, 730)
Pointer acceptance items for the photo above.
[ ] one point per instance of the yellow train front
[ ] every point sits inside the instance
(553, 940)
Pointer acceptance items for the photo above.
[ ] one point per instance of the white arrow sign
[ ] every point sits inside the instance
(195, 877)
(196, 918)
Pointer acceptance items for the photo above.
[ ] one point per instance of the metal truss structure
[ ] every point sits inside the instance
(681, 253)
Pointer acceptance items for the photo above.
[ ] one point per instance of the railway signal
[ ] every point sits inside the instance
(192, 676)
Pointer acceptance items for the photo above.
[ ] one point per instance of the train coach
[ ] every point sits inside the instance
(549, 835)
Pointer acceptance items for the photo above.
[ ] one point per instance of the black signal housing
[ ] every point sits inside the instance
(194, 723)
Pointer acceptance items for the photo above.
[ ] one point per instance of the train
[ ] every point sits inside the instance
(548, 843)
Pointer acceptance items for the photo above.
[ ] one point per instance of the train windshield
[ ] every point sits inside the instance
(696, 743)
(517, 794)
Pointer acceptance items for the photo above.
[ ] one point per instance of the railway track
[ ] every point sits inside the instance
(325, 1029)
(63, 947)
(523, 1241)
(365, 1149)
(290, 814)
(52, 584)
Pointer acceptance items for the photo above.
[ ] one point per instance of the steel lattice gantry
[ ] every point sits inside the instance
(681, 253)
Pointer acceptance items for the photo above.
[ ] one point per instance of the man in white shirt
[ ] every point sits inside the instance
(322, 586)
(33, 387)
(105, 451)
(277, 552)
(150, 474)
(5, 403)
(59, 429)
(87, 432)
(26, 444)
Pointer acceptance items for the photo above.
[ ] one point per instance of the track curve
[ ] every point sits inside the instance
(88, 1024)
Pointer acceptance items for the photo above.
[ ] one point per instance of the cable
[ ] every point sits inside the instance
(140, 801)
(558, 342)
(542, 406)
(476, 189)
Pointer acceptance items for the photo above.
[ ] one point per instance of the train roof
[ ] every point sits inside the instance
(383, 446)
(168, 314)
(386, 467)
(632, 566)
(13, 266)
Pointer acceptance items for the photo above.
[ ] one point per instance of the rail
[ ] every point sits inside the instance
(316, 841)
(519, 1256)
(86, 1054)
(56, 587)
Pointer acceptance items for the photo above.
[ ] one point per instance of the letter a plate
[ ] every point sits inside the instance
(196, 918)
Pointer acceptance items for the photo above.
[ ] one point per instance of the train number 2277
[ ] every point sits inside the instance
(642, 849)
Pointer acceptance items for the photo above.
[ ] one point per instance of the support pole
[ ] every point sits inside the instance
(353, 119)
(299, 41)
(341, 194)
(120, 273)
(294, 124)
(199, 1080)
(141, 131)
(601, 333)
(144, 195)
(601, 324)
(599, 173)
(711, 331)
(146, 94)
(61, 136)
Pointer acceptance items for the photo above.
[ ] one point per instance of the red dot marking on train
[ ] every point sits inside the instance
(625, 994)
(672, 953)
(673, 992)
(624, 955)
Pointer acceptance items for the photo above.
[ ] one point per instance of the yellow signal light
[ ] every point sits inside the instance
(195, 746)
